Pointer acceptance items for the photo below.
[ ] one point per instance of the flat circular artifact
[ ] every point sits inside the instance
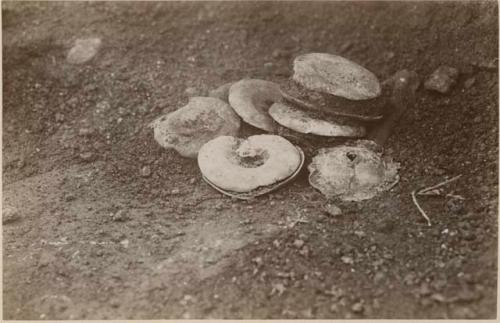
(335, 75)
(352, 172)
(190, 127)
(251, 99)
(308, 123)
(244, 168)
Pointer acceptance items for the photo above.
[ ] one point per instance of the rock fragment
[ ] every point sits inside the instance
(83, 50)
(190, 127)
(442, 79)
(335, 75)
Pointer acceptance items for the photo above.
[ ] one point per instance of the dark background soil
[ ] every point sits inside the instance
(96, 240)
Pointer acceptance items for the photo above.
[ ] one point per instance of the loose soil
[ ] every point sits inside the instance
(99, 238)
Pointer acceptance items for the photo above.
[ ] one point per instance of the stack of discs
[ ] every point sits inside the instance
(332, 89)
(328, 97)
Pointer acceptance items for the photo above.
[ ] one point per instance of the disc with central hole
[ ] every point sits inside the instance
(352, 172)
(244, 165)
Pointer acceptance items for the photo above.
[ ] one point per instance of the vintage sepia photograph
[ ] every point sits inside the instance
(249, 160)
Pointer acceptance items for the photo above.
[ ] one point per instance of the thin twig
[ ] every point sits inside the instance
(431, 191)
(414, 197)
(420, 192)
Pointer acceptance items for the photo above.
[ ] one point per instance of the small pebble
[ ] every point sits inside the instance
(279, 288)
(258, 261)
(59, 117)
(298, 243)
(125, 243)
(85, 132)
(219, 206)
(357, 308)
(347, 260)
(442, 79)
(87, 156)
(469, 82)
(388, 256)
(10, 215)
(83, 50)
(360, 234)
(119, 216)
(146, 171)
(333, 210)
(379, 277)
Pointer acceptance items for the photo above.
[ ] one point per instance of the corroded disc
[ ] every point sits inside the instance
(335, 75)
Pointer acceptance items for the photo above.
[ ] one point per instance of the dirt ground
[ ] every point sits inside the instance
(92, 238)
